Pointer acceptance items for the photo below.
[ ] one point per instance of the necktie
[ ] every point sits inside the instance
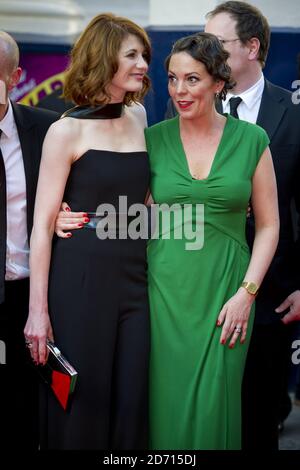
(2, 224)
(233, 103)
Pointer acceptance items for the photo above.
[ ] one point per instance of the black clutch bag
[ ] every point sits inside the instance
(59, 374)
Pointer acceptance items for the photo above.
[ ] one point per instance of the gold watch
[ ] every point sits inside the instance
(250, 287)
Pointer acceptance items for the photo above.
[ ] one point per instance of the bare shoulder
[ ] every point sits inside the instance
(66, 128)
(138, 111)
(65, 133)
(62, 139)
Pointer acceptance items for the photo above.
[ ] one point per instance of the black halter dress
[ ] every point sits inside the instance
(98, 305)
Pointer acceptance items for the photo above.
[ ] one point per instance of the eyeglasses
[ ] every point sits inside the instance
(224, 41)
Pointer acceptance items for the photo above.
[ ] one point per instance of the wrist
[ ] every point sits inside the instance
(38, 311)
(248, 298)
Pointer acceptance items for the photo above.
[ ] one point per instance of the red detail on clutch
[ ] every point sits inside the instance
(61, 386)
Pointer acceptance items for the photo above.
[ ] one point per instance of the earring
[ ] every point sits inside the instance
(217, 94)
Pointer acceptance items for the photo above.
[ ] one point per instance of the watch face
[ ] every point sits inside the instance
(252, 288)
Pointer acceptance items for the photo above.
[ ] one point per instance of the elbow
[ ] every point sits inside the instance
(269, 229)
(276, 239)
(277, 230)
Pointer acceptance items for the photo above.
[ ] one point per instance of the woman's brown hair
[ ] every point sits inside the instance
(94, 60)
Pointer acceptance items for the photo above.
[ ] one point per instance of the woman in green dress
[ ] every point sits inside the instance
(202, 289)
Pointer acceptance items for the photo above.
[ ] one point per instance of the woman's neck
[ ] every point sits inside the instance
(203, 125)
(105, 111)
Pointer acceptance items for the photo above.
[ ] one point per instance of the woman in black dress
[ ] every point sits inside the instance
(90, 292)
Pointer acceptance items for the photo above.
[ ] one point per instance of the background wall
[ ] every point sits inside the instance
(192, 12)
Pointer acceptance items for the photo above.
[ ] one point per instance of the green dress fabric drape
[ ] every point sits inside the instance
(195, 382)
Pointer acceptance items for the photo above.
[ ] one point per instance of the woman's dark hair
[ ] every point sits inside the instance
(207, 49)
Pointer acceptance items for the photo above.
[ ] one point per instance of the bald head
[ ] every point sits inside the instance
(10, 72)
(9, 52)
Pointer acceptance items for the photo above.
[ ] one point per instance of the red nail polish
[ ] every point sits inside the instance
(68, 209)
(86, 220)
(69, 235)
(223, 341)
(231, 346)
(80, 225)
(218, 323)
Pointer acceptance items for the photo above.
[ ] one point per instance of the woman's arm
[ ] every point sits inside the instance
(57, 157)
(265, 208)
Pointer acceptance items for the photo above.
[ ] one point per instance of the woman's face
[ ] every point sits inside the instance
(132, 68)
(191, 87)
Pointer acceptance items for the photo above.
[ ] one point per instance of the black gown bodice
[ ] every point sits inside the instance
(101, 176)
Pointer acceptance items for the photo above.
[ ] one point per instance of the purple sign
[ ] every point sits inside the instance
(42, 74)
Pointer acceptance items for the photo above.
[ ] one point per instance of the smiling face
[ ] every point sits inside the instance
(132, 69)
(191, 87)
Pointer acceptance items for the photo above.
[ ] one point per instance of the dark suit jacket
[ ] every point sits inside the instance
(281, 120)
(32, 125)
(54, 102)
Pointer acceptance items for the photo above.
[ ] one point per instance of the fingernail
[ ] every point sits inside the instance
(218, 323)
(80, 225)
(223, 341)
(86, 220)
(85, 215)
(231, 346)
(69, 235)
(68, 209)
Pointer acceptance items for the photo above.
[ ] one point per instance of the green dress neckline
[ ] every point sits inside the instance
(227, 126)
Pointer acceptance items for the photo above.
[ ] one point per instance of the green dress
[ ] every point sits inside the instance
(195, 382)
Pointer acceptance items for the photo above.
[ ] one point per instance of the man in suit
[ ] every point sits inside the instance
(245, 34)
(22, 131)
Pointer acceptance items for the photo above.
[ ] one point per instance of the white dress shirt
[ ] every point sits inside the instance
(248, 109)
(17, 250)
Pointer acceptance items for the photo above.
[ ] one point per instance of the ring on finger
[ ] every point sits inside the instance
(238, 329)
